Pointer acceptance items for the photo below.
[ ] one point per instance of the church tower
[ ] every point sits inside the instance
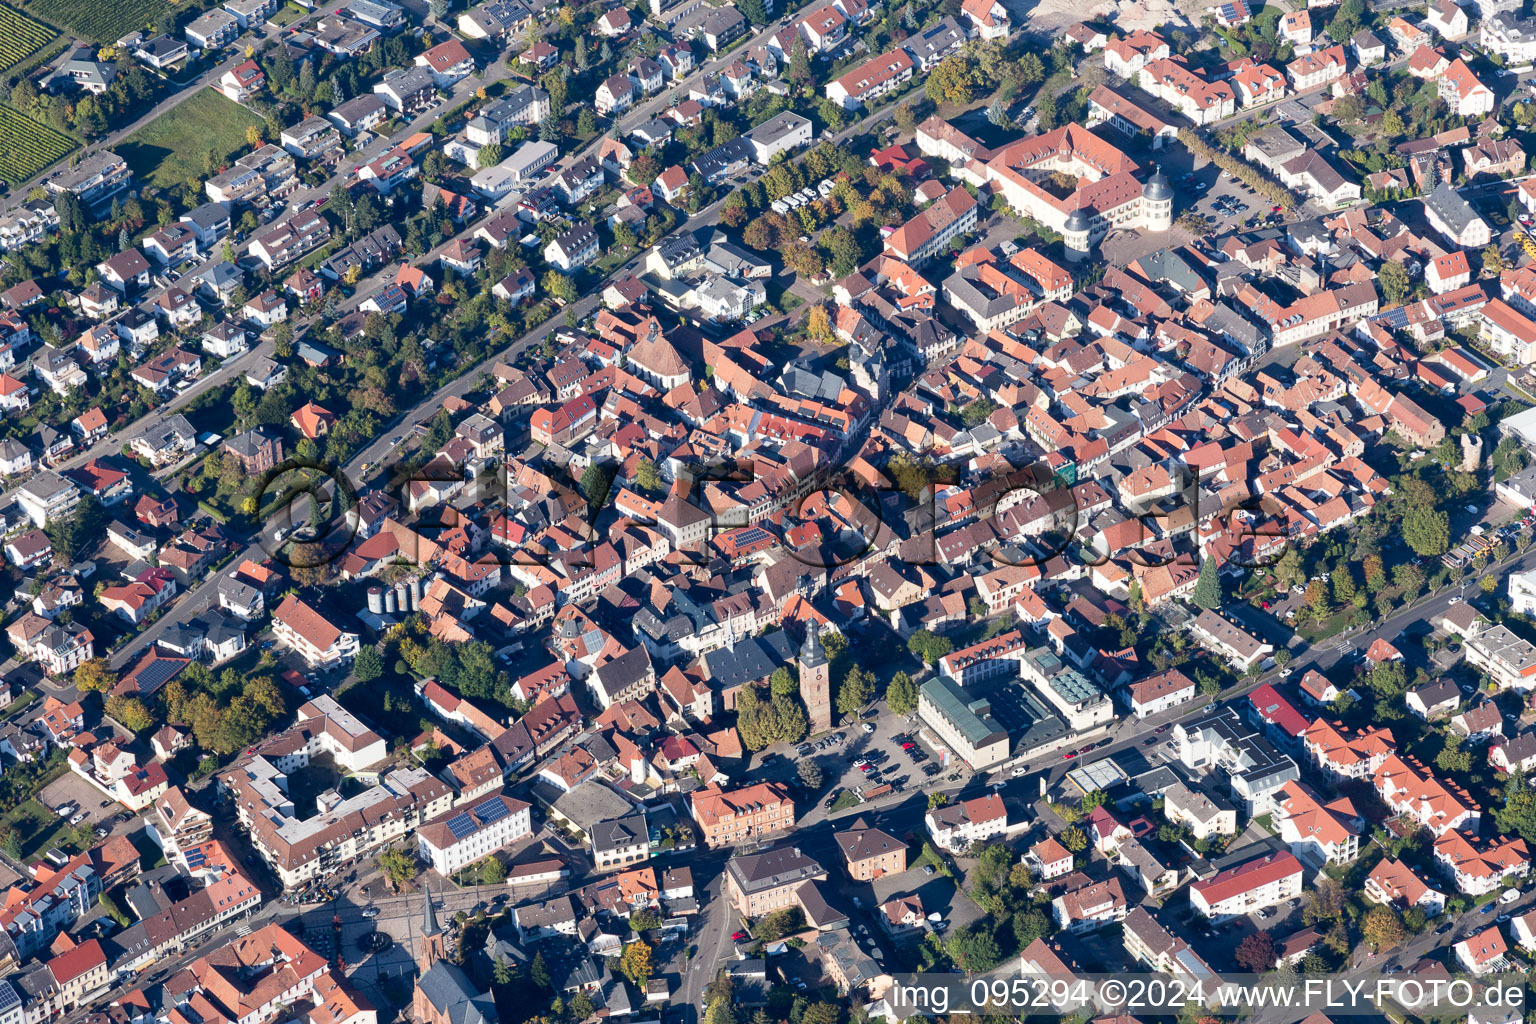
(433, 941)
(815, 680)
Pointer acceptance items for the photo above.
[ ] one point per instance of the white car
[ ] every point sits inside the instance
(1019, 771)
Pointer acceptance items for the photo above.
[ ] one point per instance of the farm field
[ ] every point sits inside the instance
(20, 36)
(104, 21)
(27, 146)
(174, 147)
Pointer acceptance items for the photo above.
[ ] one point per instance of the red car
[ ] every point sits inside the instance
(909, 746)
(1069, 755)
(1084, 750)
(739, 936)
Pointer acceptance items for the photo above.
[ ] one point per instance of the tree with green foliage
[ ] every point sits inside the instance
(110, 904)
(856, 690)
(13, 844)
(1389, 680)
(596, 480)
(799, 73)
(538, 972)
(901, 694)
(810, 773)
(1427, 531)
(1207, 592)
(368, 665)
(493, 871)
(929, 646)
(1395, 285)
(973, 949)
(398, 865)
(1516, 812)
(937, 799)
(1073, 839)
(131, 712)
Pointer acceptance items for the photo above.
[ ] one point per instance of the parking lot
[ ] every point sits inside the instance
(1223, 202)
(839, 753)
(89, 803)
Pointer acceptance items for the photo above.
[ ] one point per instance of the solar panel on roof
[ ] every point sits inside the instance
(461, 825)
(157, 673)
(491, 811)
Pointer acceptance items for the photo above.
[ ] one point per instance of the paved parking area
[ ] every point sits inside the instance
(70, 788)
(1225, 202)
(836, 753)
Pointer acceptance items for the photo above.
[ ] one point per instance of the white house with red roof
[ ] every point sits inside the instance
(304, 630)
(967, 823)
(1407, 787)
(1484, 952)
(1317, 688)
(1395, 884)
(448, 61)
(1128, 55)
(1049, 859)
(1319, 833)
(985, 19)
(1464, 92)
(1449, 272)
(242, 81)
(1252, 885)
(1344, 754)
(1277, 718)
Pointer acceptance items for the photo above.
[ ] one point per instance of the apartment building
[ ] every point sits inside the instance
(1319, 833)
(1248, 887)
(870, 853)
(760, 883)
(463, 836)
(750, 814)
(304, 630)
(1395, 884)
(620, 842)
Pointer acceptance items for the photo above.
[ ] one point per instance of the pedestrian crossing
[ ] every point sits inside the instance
(1344, 646)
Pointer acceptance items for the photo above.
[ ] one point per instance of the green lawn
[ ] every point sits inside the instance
(38, 826)
(174, 147)
(848, 798)
(1312, 632)
(151, 856)
(103, 21)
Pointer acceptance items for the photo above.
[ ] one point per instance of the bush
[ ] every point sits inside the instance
(779, 924)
